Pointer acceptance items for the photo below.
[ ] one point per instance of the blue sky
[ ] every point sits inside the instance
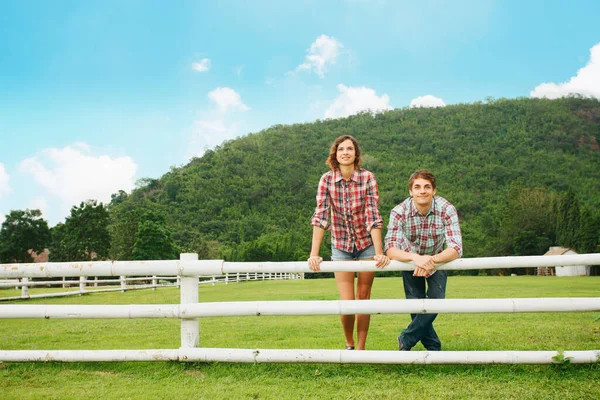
(95, 95)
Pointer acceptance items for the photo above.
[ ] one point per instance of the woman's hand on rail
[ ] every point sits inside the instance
(314, 263)
(382, 260)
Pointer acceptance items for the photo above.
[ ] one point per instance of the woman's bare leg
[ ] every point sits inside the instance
(363, 292)
(345, 284)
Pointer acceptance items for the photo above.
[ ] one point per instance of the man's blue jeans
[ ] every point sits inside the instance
(421, 327)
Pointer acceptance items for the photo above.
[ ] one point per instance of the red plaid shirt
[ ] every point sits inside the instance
(411, 231)
(353, 207)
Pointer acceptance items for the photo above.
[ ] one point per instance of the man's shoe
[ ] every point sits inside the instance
(349, 347)
(401, 346)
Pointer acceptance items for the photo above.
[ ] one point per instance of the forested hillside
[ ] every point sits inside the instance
(507, 165)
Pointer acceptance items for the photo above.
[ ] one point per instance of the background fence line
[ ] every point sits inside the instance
(87, 286)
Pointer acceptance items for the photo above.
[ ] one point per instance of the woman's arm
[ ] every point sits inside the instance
(382, 259)
(314, 260)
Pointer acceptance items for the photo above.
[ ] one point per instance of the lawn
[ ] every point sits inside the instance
(532, 331)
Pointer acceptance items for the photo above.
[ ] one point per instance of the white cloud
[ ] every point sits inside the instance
(322, 53)
(427, 101)
(217, 125)
(352, 100)
(72, 174)
(201, 66)
(227, 99)
(238, 70)
(212, 132)
(585, 83)
(4, 178)
(41, 204)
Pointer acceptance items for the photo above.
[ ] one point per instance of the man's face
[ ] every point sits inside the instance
(422, 192)
(346, 153)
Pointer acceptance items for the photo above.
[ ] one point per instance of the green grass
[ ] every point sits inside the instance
(532, 331)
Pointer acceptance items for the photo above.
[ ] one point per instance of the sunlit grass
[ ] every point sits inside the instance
(531, 331)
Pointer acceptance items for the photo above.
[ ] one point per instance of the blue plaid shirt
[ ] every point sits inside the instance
(411, 231)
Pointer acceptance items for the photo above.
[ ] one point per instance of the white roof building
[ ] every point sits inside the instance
(572, 270)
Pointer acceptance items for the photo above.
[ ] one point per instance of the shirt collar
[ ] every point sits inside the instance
(414, 211)
(337, 176)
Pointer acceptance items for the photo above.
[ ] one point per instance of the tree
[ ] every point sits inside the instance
(117, 198)
(567, 217)
(126, 218)
(153, 242)
(122, 228)
(84, 235)
(525, 222)
(59, 245)
(589, 229)
(21, 232)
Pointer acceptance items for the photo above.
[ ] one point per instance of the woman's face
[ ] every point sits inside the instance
(346, 153)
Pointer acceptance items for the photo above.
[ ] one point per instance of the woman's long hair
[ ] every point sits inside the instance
(332, 161)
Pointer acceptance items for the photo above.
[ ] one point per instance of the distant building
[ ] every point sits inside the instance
(572, 270)
(39, 258)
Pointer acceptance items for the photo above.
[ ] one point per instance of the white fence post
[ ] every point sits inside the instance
(154, 282)
(82, 284)
(123, 284)
(24, 287)
(188, 293)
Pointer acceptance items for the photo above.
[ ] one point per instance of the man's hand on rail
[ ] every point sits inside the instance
(421, 272)
(314, 263)
(425, 262)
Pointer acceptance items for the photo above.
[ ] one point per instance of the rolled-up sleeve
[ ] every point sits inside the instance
(320, 216)
(452, 231)
(373, 218)
(395, 237)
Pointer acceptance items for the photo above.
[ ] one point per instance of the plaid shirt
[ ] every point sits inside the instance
(411, 231)
(353, 207)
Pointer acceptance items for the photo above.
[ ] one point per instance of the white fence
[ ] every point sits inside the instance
(124, 283)
(188, 269)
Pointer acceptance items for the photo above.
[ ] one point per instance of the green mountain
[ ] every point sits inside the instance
(252, 198)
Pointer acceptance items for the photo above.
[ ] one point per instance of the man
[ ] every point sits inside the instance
(419, 229)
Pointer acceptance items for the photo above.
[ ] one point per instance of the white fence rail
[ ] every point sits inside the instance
(304, 356)
(303, 307)
(124, 283)
(195, 268)
(188, 269)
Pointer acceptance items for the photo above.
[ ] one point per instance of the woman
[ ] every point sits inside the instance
(351, 194)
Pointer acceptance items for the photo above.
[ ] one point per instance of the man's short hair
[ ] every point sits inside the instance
(422, 174)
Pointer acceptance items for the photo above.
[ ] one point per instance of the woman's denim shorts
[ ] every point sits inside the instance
(341, 255)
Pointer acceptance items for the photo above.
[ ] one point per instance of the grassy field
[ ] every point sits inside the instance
(534, 331)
